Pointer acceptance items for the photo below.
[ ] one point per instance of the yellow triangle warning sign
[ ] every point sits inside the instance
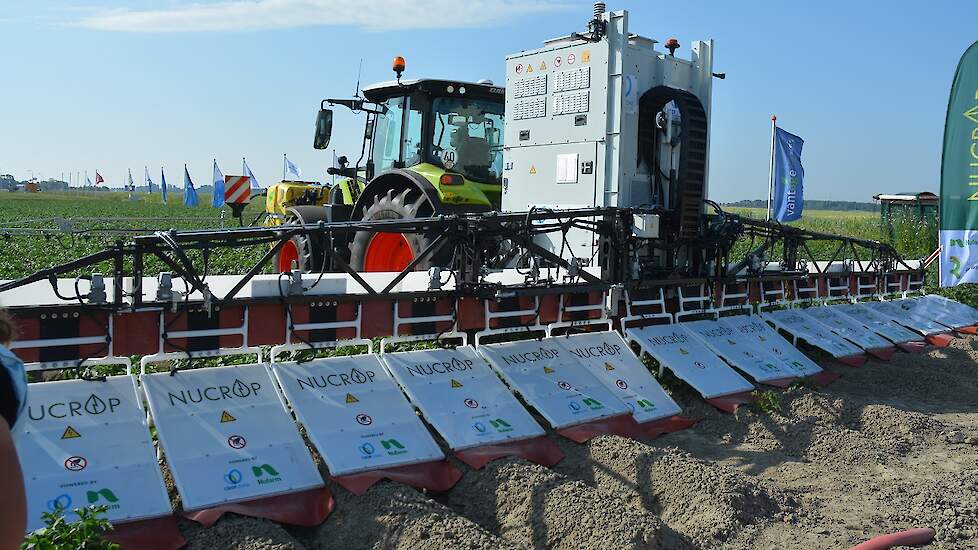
(456, 383)
(533, 170)
(607, 366)
(226, 417)
(543, 65)
(70, 433)
(350, 398)
(548, 370)
(529, 68)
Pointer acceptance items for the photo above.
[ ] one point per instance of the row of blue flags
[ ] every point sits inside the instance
(189, 190)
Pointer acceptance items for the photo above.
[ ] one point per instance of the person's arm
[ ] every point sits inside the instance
(13, 505)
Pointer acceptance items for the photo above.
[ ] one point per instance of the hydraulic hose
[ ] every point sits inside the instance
(910, 537)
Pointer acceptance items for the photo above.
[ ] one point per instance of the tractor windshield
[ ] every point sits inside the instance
(468, 138)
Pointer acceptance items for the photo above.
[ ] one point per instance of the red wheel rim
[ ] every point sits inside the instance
(387, 252)
(288, 254)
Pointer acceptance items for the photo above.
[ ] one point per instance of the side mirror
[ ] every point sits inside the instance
(324, 129)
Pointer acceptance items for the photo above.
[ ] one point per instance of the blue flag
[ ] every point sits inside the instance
(149, 180)
(247, 172)
(218, 200)
(789, 174)
(189, 193)
(163, 184)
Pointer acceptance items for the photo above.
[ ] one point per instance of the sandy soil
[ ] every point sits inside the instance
(889, 446)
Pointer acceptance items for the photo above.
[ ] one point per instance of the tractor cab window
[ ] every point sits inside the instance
(397, 137)
(468, 138)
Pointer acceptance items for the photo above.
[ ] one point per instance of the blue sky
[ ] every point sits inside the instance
(113, 85)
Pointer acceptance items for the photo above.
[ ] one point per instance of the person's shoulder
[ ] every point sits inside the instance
(13, 386)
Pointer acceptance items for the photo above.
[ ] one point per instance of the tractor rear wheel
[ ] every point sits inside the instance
(394, 251)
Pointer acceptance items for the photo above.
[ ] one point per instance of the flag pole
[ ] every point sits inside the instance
(770, 179)
(285, 158)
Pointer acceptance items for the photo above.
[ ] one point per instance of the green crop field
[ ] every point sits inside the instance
(22, 255)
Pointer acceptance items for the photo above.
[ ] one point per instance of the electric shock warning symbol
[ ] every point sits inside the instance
(456, 383)
(70, 433)
(237, 442)
(350, 398)
(471, 403)
(76, 463)
(226, 417)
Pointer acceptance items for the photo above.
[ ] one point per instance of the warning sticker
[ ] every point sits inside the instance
(456, 383)
(226, 417)
(570, 396)
(543, 65)
(529, 68)
(806, 328)
(739, 351)
(82, 443)
(533, 170)
(70, 433)
(373, 426)
(678, 350)
(586, 56)
(214, 463)
(607, 357)
(763, 335)
(426, 377)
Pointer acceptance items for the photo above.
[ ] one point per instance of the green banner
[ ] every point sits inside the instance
(959, 176)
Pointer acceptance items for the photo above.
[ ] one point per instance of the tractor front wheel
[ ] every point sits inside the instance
(373, 252)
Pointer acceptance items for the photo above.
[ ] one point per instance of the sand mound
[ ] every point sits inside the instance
(701, 501)
(238, 533)
(392, 516)
(533, 507)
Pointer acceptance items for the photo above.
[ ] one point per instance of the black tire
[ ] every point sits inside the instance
(399, 204)
(309, 252)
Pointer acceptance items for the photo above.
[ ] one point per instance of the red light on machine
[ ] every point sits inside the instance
(398, 65)
(450, 179)
(672, 45)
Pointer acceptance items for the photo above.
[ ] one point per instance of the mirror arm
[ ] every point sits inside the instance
(356, 105)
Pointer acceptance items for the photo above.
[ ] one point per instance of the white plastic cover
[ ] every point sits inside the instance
(905, 317)
(879, 323)
(806, 328)
(551, 381)
(846, 327)
(680, 351)
(946, 311)
(733, 347)
(227, 436)
(766, 338)
(84, 443)
(607, 357)
(461, 397)
(355, 414)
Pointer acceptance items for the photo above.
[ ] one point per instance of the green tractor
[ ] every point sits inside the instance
(430, 147)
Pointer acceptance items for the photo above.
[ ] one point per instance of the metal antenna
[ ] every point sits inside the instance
(359, 71)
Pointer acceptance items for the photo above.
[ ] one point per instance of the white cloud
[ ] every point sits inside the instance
(246, 15)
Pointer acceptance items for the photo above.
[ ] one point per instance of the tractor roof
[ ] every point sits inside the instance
(383, 90)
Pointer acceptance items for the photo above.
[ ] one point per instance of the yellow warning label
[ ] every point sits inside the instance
(350, 398)
(226, 417)
(456, 383)
(70, 433)
(684, 352)
(548, 370)
(543, 65)
(533, 170)
(586, 56)
(529, 68)
(607, 366)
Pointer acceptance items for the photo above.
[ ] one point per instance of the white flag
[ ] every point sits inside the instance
(291, 168)
(247, 172)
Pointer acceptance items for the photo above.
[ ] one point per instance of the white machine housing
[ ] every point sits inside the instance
(572, 124)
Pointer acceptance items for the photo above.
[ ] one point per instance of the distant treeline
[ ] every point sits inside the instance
(814, 205)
